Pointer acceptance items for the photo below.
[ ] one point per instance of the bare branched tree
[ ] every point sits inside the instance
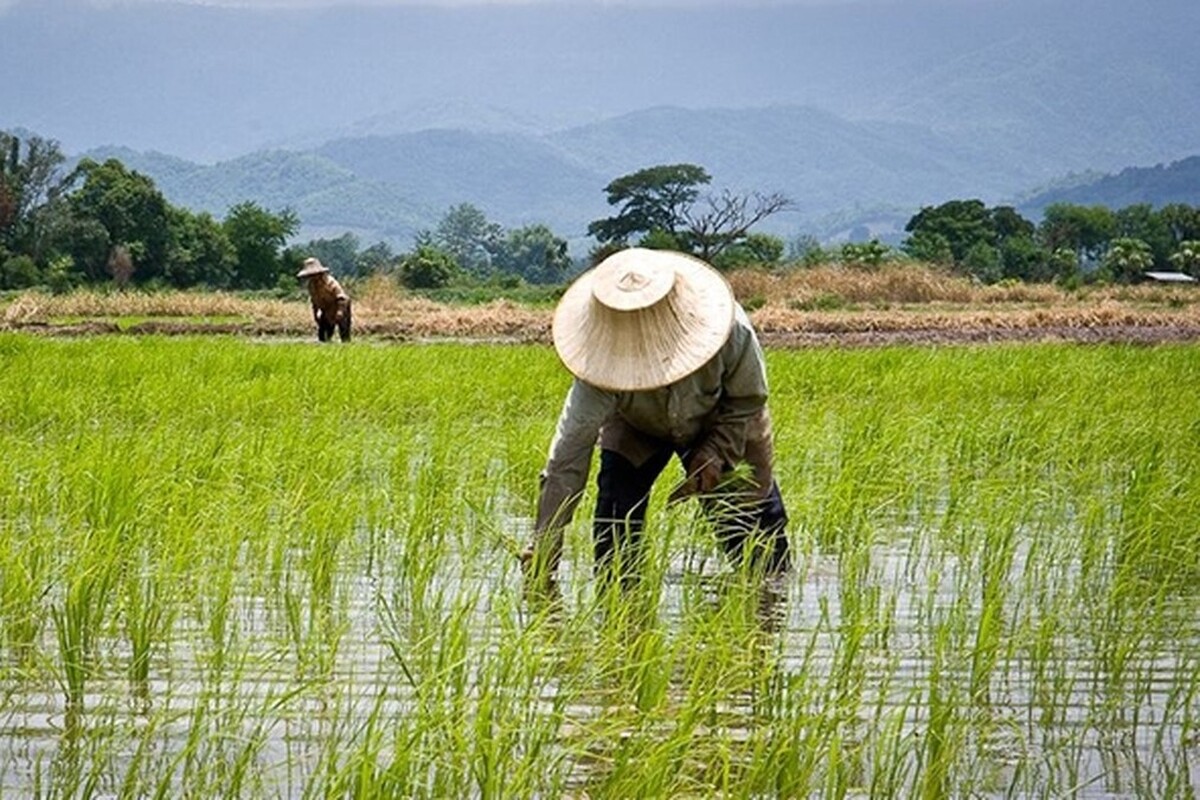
(727, 218)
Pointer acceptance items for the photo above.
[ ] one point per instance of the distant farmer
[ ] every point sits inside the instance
(330, 303)
(665, 363)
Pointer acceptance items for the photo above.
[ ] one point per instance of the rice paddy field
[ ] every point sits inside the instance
(236, 567)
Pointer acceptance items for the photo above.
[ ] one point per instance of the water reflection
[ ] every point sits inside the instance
(692, 663)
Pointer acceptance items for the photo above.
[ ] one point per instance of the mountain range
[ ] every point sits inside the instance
(377, 119)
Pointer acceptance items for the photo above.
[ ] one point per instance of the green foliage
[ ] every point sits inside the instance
(807, 250)
(929, 246)
(1127, 259)
(258, 237)
(659, 240)
(961, 223)
(428, 268)
(200, 252)
(757, 249)
(533, 253)
(32, 187)
(466, 234)
(1023, 259)
(983, 263)
(132, 213)
(869, 255)
(655, 198)
(1085, 230)
(18, 272)
(1187, 257)
(1143, 223)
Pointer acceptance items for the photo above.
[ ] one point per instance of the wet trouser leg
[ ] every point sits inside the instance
(622, 497)
(751, 527)
(343, 320)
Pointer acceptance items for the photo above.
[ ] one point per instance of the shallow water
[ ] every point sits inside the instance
(288, 695)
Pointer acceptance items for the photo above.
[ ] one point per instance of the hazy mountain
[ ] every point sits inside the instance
(377, 119)
(1158, 186)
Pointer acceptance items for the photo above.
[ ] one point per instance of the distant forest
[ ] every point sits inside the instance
(101, 223)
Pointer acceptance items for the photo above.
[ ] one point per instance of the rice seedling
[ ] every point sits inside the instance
(270, 569)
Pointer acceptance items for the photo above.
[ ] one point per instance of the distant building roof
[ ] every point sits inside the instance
(1170, 277)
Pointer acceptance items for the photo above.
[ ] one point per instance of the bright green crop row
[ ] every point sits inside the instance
(275, 569)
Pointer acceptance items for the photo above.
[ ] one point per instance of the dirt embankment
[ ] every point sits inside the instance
(810, 308)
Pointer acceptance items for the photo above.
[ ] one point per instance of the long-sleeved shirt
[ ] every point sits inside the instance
(719, 407)
(327, 296)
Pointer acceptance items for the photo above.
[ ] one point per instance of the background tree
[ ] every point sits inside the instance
(929, 246)
(199, 251)
(1126, 259)
(869, 255)
(427, 267)
(982, 262)
(652, 199)
(132, 213)
(961, 224)
(379, 257)
(727, 220)
(661, 205)
(1140, 221)
(806, 249)
(534, 253)
(1183, 221)
(756, 249)
(32, 187)
(1186, 257)
(1085, 230)
(466, 234)
(258, 237)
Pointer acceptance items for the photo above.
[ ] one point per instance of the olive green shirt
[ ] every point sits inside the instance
(719, 407)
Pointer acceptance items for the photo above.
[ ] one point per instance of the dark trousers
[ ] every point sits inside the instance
(746, 523)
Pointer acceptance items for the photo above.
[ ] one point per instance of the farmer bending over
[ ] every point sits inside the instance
(665, 363)
(330, 303)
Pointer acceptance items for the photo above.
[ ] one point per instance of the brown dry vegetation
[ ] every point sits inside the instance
(826, 305)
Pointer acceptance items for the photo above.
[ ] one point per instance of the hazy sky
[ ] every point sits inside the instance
(267, 4)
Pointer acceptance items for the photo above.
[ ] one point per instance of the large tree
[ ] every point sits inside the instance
(258, 237)
(663, 206)
(534, 253)
(199, 251)
(652, 199)
(33, 184)
(726, 221)
(466, 234)
(1085, 230)
(132, 212)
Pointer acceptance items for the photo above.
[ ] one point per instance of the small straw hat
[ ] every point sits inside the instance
(642, 319)
(312, 266)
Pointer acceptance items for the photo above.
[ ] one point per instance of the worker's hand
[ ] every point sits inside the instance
(703, 475)
(705, 468)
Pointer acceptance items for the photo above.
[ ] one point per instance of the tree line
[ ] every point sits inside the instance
(1072, 243)
(101, 223)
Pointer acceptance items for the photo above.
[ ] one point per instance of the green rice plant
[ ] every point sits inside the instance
(274, 569)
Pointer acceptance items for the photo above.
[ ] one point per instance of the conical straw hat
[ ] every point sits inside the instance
(312, 267)
(642, 319)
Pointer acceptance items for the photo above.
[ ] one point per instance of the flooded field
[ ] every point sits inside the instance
(236, 569)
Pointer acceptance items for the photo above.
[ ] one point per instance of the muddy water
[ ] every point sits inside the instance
(290, 697)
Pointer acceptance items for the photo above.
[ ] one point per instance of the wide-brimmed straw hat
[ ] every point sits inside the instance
(311, 267)
(642, 319)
